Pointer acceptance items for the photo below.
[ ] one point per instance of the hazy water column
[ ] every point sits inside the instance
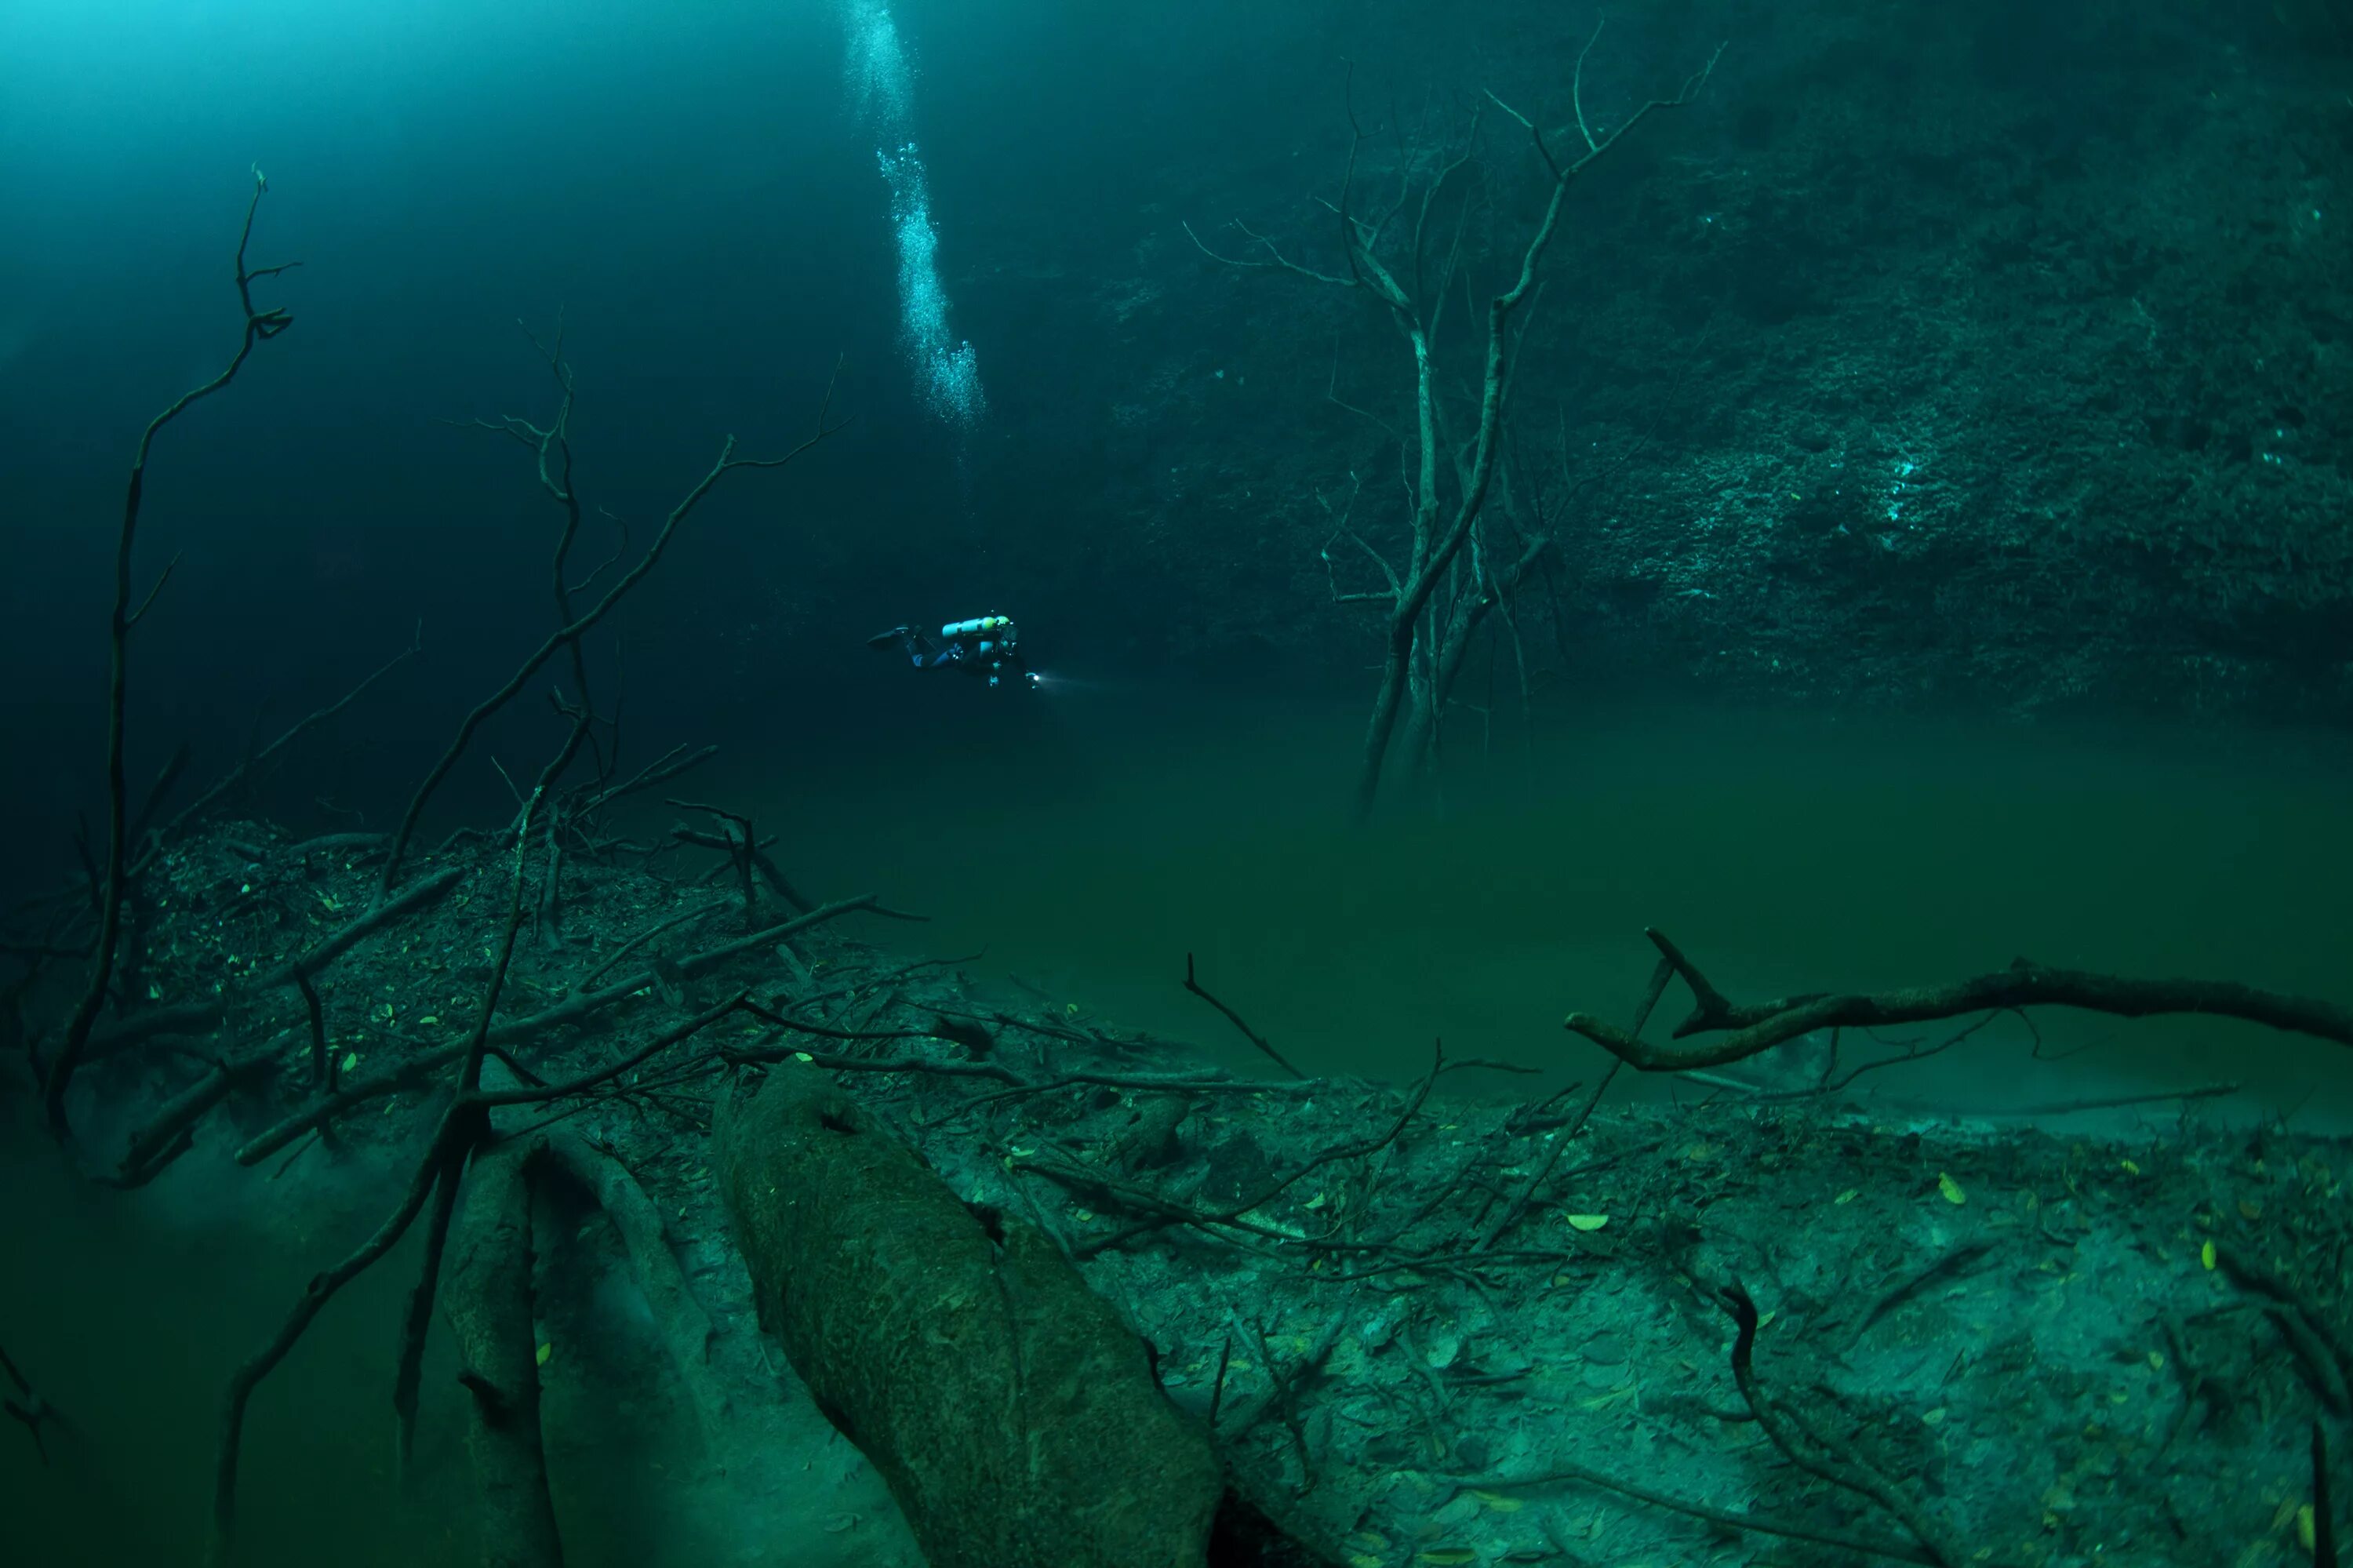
(948, 372)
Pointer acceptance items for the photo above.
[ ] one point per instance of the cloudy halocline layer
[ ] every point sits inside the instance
(948, 372)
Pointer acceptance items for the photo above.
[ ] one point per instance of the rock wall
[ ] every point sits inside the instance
(1990, 356)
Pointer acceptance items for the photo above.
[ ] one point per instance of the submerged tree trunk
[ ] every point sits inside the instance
(679, 1316)
(1450, 634)
(1012, 1413)
(487, 1303)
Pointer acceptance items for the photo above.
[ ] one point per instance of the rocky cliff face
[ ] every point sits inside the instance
(1993, 355)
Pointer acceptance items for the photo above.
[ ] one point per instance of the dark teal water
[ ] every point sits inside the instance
(1089, 849)
(1088, 845)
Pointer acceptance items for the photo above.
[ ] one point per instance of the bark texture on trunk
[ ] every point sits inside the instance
(1012, 1413)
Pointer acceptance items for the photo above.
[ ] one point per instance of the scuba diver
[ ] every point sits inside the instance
(986, 648)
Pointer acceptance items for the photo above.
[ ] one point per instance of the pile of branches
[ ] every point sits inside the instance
(1034, 1103)
(87, 989)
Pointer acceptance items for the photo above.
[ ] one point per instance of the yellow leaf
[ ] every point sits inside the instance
(2304, 1527)
(2128, 1167)
(2206, 1254)
(546, 1352)
(429, 1020)
(1846, 1197)
(1587, 1222)
(351, 1060)
(803, 1056)
(1499, 1502)
(2156, 1361)
(1950, 1189)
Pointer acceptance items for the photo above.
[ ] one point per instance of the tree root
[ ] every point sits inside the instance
(1824, 1454)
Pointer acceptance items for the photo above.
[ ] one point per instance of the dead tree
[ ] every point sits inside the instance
(1449, 474)
(260, 326)
(553, 447)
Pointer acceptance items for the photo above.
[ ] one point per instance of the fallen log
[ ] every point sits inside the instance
(487, 1304)
(1011, 1413)
(685, 1327)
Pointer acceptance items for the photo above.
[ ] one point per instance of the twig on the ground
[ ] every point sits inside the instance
(1957, 1260)
(2188, 1374)
(301, 727)
(2324, 1511)
(202, 1017)
(648, 935)
(1568, 1471)
(170, 1131)
(1660, 975)
(2326, 1357)
(667, 766)
(1253, 1036)
(741, 842)
(1164, 1212)
(1806, 1443)
(1759, 1026)
(27, 1406)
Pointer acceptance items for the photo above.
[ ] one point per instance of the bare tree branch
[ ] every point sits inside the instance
(259, 327)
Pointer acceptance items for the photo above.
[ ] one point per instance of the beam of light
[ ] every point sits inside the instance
(948, 372)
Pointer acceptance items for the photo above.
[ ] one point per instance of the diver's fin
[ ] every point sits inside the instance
(884, 639)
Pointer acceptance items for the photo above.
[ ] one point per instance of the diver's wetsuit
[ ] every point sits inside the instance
(987, 647)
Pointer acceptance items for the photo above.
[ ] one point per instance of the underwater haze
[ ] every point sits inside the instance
(1493, 783)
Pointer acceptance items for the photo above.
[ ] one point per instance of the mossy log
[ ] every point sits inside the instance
(1011, 1413)
(486, 1301)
